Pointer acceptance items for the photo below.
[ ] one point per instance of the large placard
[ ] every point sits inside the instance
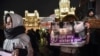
(66, 34)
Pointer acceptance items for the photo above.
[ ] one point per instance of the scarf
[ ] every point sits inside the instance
(13, 32)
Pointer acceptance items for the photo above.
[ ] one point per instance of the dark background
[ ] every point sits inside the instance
(44, 7)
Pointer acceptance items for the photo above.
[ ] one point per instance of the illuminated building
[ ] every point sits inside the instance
(5, 12)
(64, 9)
(31, 20)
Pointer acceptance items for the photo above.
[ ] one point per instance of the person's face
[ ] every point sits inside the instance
(8, 23)
(91, 13)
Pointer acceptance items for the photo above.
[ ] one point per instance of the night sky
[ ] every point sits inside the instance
(44, 7)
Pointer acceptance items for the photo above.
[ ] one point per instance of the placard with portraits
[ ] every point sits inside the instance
(67, 34)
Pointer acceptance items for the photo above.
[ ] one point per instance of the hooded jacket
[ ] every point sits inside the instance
(16, 20)
(17, 27)
(15, 36)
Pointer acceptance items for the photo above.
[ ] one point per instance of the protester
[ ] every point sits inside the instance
(77, 28)
(15, 34)
(93, 45)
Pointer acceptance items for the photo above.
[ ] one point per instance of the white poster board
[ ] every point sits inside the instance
(62, 34)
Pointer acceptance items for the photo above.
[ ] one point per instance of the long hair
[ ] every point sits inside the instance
(69, 17)
(7, 15)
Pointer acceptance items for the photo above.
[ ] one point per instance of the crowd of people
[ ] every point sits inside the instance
(14, 39)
